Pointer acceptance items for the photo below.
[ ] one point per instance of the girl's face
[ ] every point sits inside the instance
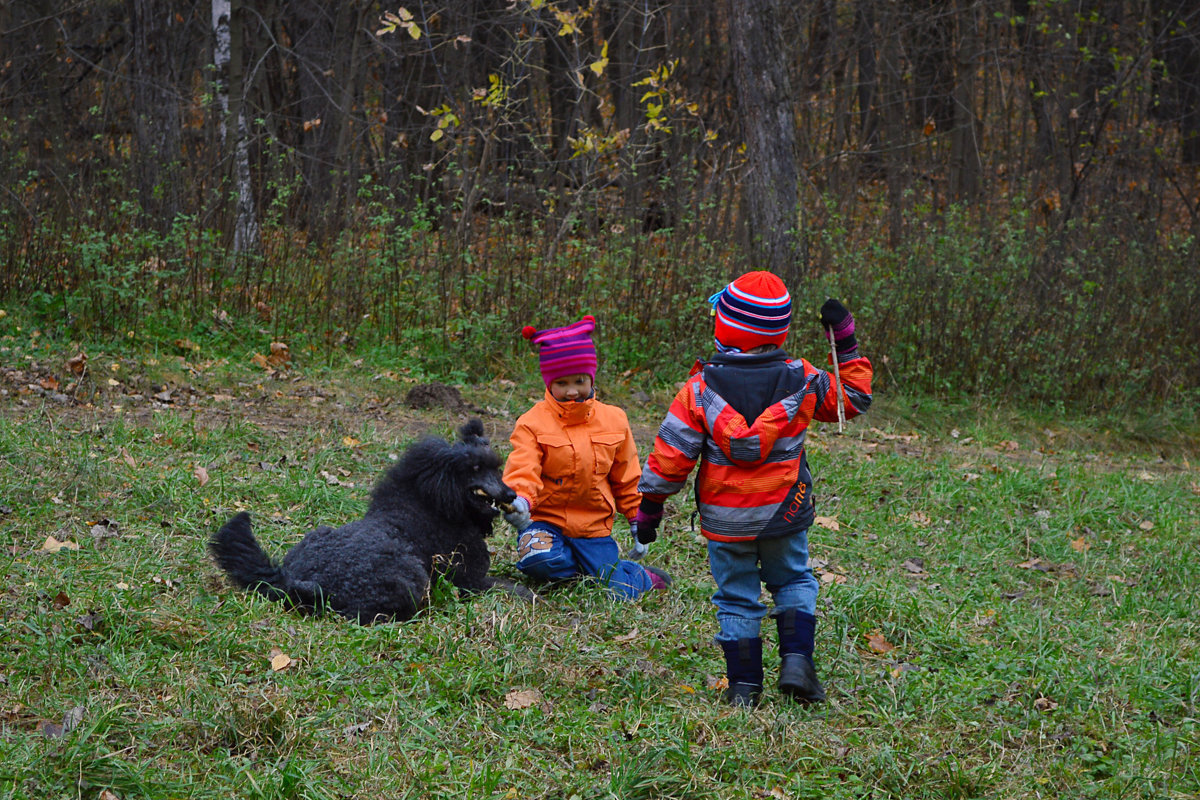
(571, 388)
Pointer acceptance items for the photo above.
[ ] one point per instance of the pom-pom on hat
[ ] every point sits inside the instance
(754, 310)
(565, 351)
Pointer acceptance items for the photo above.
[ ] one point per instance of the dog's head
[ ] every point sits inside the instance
(454, 482)
(478, 466)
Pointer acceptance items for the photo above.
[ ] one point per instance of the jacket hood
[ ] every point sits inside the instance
(749, 401)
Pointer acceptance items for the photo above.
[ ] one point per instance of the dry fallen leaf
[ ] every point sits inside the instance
(201, 474)
(716, 684)
(522, 698)
(912, 437)
(827, 577)
(1080, 545)
(77, 363)
(627, 637)
(914, 566)
(128, 459)
(281, 661)
(334, 480)
(877, 642)
(53, 545)
(919, 518)
(828, 523)
(280, 354)
(1147, 525)
(1043, 703)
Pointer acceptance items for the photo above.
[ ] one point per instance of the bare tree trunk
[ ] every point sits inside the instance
(868, 83)
(1030, 49)
(964, 142)
(1181, 59)
(765, 105)
(156, 117)
(227, 56)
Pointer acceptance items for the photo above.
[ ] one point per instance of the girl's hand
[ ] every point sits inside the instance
(519, 516)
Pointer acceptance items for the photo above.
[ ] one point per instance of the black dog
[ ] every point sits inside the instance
(429, 515)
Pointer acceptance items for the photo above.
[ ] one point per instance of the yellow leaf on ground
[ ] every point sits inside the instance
(829, 523)
(522, 698)
(53, 545)
(281, 661)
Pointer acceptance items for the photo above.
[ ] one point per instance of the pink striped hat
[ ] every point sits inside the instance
(565, 351)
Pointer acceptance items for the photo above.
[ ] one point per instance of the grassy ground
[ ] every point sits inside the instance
(1008, 610)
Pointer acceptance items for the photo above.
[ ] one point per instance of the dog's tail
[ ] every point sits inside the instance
(238, 553)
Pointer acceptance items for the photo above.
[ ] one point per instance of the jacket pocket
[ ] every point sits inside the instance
(604, 450)
(558, 456)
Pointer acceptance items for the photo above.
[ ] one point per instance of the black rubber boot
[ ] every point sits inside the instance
(743, 665)
(797, 675)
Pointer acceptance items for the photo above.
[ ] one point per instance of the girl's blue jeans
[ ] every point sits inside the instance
(741, 569)
(544, 553)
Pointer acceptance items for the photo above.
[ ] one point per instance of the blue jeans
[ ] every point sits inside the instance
(741, 569)
(544, 553)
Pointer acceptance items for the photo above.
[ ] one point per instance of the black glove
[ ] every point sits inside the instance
(839, 326)
(649, 515)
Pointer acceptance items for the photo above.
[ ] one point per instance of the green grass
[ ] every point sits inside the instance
(1036, 578)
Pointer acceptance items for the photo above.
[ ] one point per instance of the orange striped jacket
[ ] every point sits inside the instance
(745, 417)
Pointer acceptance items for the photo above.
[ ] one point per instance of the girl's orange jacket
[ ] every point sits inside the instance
(576, 464)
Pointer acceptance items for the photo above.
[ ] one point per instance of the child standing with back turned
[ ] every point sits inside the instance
(574, 466)
(744, 415)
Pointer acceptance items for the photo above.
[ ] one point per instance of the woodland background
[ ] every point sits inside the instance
(1007, 194)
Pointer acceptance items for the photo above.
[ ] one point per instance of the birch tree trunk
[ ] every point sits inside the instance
(230, 82)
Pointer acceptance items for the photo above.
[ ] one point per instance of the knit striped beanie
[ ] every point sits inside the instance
(565, 351)
(754, 310)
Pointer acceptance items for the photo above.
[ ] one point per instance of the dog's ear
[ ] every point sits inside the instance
(473, 430)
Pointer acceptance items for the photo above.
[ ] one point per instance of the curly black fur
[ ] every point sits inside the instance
(429, 515)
